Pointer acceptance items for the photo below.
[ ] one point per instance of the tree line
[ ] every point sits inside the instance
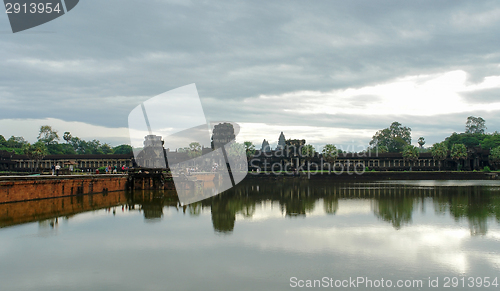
(394, 139)
(397, 139)
(48, 144)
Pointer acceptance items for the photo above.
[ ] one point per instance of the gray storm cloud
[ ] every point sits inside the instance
(97, 63)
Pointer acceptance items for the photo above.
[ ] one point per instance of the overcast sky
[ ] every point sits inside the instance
(326, 71)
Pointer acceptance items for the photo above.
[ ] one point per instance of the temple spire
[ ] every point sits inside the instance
(281, 142)
(265, 146)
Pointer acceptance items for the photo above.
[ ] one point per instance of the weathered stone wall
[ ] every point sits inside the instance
(14, 189)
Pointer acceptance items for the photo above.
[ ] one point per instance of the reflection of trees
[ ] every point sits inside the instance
(223, 216)
(330, 204)
(297, 207)
(152, 202)
(472, 203)
(224, 209)
(195, 209)
(391, 203)
(396, 210)
(297, 199)
(475, 204)
(152, 210)
(248, 210)
(294, 199)
(477, 226)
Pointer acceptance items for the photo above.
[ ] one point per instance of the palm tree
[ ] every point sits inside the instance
(35, 152)
(67, 136)
(421, 142)
(249, 149)
(194, 149)
(330, 154)
(439, 152)
(410, 153)
(458, 152)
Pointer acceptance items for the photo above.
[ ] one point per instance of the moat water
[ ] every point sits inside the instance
(261, 235)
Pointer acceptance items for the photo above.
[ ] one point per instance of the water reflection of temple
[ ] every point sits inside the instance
(151, 202)
(393, 203)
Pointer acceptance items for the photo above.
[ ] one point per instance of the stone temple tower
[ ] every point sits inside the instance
(281, 142)
(223, 133)
(265, 146)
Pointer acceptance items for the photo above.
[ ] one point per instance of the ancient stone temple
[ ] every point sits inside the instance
(6, 162)
(265, 146)
(294, 146)
(223, 133)
(281, 142)
(152, 155)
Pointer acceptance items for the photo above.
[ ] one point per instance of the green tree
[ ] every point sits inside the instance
(123, 149)
(249, 148)
(375, 149)
(35, 152)
(194, 150)
(491, 141)
(60, 149)
(47, 135)
(67, 136)
(439, 152)
(330, 154)
(76, 144)
(395, 137)
(3, 141)
(106, 149)
(233, 152)
(308, 152)
(382, 149)
(458, 152)
(475, 125)
(453, 139)
(411, 153)
(468, 139)
(16, 142)
(495, 156)
(87, 147)
(421, 142)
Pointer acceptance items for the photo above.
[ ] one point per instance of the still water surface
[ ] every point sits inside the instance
(255, 237)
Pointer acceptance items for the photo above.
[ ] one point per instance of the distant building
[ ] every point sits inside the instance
(153, 154)
(223, 133)
(286, 155)
(153, 141)
(265, 146)
(281, 142)
(6, 163)
(294, 146)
